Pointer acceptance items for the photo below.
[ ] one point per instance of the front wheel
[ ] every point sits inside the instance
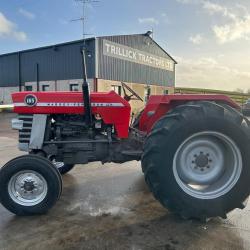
(196, 160)
(29, 185)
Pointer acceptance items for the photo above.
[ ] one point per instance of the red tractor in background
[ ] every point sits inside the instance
(194, 149)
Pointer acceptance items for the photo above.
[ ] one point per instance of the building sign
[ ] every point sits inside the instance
(136, 56)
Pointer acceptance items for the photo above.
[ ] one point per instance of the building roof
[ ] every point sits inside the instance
(82, 40)
(48, 46)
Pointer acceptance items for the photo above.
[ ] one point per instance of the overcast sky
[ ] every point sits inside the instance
(210, 39)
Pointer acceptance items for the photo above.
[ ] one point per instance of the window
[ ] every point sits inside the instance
(165, 92)
(117, 89)
(28, 88)
(147, 93)
(45, 88)
(74, 87)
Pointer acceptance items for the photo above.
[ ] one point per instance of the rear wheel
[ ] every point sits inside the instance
(29, 185)
(196, 160)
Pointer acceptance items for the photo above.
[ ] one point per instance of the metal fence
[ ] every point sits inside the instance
(239, 98)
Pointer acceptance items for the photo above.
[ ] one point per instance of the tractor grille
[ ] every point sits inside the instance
(25, 133)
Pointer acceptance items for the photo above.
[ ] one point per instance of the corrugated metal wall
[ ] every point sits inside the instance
(58, 62)
(122, 70)
(9, 70)
(63, 62)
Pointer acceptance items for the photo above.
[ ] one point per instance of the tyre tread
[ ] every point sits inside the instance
(165, 126)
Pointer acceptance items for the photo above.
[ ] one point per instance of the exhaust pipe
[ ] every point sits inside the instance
(86, 92)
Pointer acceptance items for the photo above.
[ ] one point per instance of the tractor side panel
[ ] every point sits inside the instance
(113, 109)
(160, 105)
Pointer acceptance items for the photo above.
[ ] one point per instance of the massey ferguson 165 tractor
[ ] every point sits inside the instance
(194, 149)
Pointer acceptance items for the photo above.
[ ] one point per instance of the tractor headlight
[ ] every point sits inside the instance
(17, 124)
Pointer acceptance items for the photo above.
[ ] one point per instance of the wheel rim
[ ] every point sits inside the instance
(207, 165)
(27, 188)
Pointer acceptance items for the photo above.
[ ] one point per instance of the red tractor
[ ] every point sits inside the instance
(194, 149)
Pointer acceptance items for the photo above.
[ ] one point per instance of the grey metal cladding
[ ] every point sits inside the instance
(59, 62)
(112, 68)
(63, 62)
(9, 70)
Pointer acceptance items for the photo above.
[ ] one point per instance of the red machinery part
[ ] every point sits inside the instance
(110, 106)
(159, 105)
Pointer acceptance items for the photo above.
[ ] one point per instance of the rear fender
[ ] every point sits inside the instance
(159, 105)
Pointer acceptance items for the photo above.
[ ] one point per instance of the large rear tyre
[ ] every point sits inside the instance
(196, 160)
(29, 185)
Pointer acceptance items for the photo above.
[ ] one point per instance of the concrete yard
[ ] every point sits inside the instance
(110, 207)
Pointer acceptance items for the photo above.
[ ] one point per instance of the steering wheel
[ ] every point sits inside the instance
(127, 97)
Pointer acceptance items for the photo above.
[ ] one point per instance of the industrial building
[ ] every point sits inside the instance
(134, 59)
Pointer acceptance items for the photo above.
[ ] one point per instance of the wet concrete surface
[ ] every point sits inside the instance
(110, 207)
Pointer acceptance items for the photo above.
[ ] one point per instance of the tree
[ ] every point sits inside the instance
(239, 90)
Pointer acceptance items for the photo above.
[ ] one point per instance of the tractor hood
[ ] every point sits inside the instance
(110, 106)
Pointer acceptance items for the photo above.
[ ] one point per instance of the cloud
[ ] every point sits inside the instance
(148, 20)
(237, 28)
(196, 39)
(214, 8)
(240, 29)
(207, 72)
(9, 30)
(20, 36)
(185, 1)
(237, 23)
(189, 1)
(27, 14)
(5, 25)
